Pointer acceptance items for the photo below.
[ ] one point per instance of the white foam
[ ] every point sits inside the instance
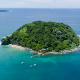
(78, 35)
(0, 42)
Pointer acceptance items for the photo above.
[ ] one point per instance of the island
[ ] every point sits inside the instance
(4, 11)
(44, 38)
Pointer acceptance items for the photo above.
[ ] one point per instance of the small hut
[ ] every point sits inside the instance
(43, 49)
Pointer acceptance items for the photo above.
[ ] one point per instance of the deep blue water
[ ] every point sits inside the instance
(51, 67)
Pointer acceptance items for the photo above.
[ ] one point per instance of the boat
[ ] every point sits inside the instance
(31, 56)
(34, 65)
(31, 66)
(22, 62)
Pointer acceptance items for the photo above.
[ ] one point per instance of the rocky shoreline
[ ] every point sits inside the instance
(65, 51)
(47, 53)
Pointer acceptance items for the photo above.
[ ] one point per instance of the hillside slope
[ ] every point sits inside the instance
(44, 35)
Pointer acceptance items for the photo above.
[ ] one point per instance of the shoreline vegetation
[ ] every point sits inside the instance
(44, 38)
(47, 53)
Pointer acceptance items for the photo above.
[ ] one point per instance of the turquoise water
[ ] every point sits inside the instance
(50, 67)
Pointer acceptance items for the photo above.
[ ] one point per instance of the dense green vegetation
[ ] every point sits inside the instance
(48, 35)
(4, 11)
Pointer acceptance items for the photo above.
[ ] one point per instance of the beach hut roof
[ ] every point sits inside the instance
(43, 49)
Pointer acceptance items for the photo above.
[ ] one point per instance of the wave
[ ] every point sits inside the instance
(78, 35)
(0, 42)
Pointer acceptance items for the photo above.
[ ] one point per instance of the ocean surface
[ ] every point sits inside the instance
(49, 67)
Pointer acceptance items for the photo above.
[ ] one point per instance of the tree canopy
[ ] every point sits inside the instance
(49, 35)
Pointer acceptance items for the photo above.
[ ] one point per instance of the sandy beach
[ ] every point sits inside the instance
(16, 46)
(20, 47)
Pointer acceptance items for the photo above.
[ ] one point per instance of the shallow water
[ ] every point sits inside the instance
(57, 67)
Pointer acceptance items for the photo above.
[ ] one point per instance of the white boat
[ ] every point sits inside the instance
(34, 65)
(22, 62)
(31, 66)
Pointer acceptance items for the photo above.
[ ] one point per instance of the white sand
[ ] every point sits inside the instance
(16, 46)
